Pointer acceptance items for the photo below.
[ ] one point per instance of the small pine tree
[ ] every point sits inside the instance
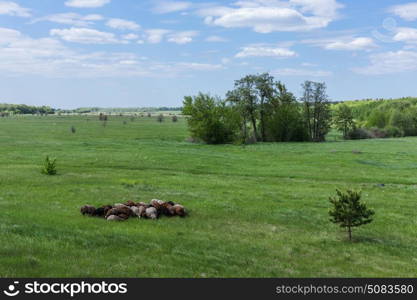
(348, 211)
(49, 167)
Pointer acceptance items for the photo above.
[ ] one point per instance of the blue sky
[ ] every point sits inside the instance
(125, 53)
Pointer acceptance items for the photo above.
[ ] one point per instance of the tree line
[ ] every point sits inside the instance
(378, 118)
(22, 109)
(260, 109)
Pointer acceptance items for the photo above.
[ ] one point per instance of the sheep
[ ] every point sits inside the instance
(88, 210)
(142, 211)
(135, 210)
(121, 211)
(179, 210)
(130, 203)
(163, 208)
(114, 218)
(151, 213)
(102, 211)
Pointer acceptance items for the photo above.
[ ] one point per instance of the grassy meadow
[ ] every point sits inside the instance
(255, 211)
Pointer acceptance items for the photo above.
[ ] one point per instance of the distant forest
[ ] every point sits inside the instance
(22, 109)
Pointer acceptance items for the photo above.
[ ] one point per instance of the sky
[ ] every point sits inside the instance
(129, 53)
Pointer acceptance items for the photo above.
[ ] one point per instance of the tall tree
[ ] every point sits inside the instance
(265, 87)
(316, 110)
(246, 98)
(343, 119)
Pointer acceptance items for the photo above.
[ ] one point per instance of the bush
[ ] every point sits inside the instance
(49, 167)
(174, 119)
(404, 121)
(378, 133)
(160, 118)
(211, 120)
(359, 134)
(73, 130)
(285, 124)
(348, 211)
(393, 131)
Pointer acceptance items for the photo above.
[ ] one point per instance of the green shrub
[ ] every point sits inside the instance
(348, 211)
(393, 131)
(73, 130)
(49, 167)
(211, 120)
(160, 118)
(285, 124)
(174, 119)
(359, 134)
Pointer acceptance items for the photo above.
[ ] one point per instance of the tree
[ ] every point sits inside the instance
(245, 97)
(210, 119)
(265, 87)
(49, 167)
(378, 118)
(343, 119)
(349, 212)
(284, 119)
(316, 110)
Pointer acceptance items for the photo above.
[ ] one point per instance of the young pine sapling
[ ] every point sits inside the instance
(348, 211)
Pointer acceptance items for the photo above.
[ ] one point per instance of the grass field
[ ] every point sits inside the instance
(255, 211)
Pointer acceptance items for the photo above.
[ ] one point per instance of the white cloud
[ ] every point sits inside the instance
(265, 51)
(87, 3)
(164, 7)
(267, 16)
(22, 55)
(346, 43)
(197, 66)
(406, 11)
(85, 36)
(122, 24)
(406, 34)
(182, 37)
(8, 35)
(390, 63)
(215, 39)
(13, 9)
(71, 19)
(155, 36)
(130, 36)
(360, 43)
(301, 72)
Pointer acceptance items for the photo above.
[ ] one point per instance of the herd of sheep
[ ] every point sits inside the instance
(122, 212)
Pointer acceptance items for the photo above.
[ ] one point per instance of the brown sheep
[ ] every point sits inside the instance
(88, 210)
(102, 211)
(130, 203)
(163, 208)
(121, 211)
(179, 210)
